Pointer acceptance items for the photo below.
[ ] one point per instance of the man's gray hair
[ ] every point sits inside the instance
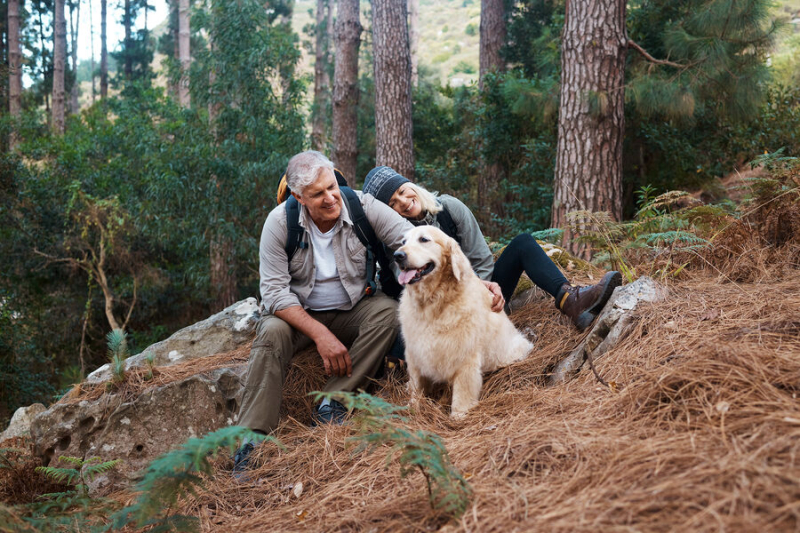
(304, 168)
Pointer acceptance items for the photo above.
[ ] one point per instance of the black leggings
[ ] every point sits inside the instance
(524, 254)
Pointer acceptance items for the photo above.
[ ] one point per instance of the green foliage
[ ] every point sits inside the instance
(176, 474)
(117, 353)
(471, 29)
(380, 424)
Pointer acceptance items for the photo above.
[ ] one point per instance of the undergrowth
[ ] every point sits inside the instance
(379, 423)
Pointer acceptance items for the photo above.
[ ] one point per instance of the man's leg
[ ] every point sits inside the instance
(370, 329)
(273, 348)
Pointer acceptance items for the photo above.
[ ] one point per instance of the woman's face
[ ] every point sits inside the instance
(405, 202)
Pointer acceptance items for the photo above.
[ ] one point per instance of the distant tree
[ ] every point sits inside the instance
(59, 67)
(103, 49)
(184, 52)
(413, 38)
(322, 80)
(392, 66)
(74, 25)
(345, 89)
(14, 67)
(492, 36)
(92, 62)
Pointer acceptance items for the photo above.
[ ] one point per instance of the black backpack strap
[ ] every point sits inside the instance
(294, 237)
(365, 234)
(447, 224)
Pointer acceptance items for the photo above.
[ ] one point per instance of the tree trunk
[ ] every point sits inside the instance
(345, 89)
(103, 50)
(223, 272)
(392, 60)
(413, 36)
(184, 36)
(127, 22)
(14, 69)
(492, 37)
(91, 34)
(321, 80)
(591, 122)
(59, 67)
(75, 22)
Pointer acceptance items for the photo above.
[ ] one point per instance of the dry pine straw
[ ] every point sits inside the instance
(703, 434)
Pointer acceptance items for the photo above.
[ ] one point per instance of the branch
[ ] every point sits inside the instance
(632, 44)
(133, 303)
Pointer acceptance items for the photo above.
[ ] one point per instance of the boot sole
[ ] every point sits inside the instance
(611, 281)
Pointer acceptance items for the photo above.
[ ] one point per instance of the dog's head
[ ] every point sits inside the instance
(427, 250)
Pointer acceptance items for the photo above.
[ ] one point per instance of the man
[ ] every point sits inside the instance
(318, 297)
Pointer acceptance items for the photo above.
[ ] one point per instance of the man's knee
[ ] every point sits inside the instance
(272, 331)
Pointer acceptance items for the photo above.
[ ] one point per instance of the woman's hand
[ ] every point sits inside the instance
(498, 302)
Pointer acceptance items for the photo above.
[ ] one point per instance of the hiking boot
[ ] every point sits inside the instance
(241, 459)
(333, 413)
(583, 304)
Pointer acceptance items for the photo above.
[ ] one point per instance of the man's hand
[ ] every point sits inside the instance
(498, 302)
(335, 356)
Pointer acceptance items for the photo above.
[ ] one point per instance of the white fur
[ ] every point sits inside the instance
(450, 331)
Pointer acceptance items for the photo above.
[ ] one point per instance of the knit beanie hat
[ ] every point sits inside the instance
(382, 182)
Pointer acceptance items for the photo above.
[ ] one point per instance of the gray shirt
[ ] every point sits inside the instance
(286, 284)
(472, 241)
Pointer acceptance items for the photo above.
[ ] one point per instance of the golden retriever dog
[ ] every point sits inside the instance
(450, 331)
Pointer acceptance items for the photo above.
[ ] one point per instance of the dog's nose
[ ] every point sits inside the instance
(400, 257)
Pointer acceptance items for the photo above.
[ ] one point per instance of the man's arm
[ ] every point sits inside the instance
(334, 355)
(388, 225)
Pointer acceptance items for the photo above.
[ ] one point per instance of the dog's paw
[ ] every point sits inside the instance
(458, 415)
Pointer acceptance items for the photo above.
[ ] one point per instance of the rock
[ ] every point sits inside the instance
(20, 424)
(138, 430)
(223, 332)
(610, 326)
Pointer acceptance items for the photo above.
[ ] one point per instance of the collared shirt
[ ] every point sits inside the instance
(285, 284)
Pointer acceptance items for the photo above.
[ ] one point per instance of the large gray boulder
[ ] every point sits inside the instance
(220, 333)
(20, 424)
(616, 318)
(140, 429)
(137, 428)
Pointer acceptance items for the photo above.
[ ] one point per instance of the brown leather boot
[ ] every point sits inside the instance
(583, 304)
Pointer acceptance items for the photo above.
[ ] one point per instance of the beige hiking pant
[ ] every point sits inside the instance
(368, 330)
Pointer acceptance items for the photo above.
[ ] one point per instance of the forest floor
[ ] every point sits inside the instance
(699, 432)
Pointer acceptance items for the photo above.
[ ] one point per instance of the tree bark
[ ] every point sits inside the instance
(492, 37)
(321, 80)
(345, 89)
(184, 38)
(75, 22)
(14, 69)
(59, 67)
(591, 122)
(103, 50)
(223, 272)
(392, 61)
(413, 37)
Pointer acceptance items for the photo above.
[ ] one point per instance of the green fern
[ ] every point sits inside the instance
(117, 353)
(380, 423)
(551, 235)
(175, 474)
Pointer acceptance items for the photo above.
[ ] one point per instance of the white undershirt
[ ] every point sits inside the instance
(328, 292)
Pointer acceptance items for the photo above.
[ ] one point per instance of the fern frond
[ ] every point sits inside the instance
(175, 474)
(551, 235)
(667, 199)
(59, 475)
(101, 468)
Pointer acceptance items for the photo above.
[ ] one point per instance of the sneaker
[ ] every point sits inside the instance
(241, 459)
(583, 304)
(333, 413)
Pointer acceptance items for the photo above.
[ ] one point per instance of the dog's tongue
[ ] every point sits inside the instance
(406, 276)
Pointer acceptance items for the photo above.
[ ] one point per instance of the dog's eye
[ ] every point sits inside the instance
(424, 239)
(403, 242)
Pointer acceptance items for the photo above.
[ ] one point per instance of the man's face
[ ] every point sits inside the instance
(323, 200)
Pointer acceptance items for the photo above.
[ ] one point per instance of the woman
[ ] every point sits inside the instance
(580, 304)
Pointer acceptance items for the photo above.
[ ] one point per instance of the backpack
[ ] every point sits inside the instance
(447, 224)
(376, 251)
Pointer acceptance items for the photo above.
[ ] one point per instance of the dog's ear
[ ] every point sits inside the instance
(458, 260)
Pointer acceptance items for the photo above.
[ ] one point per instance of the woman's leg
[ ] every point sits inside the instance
(524, 254)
